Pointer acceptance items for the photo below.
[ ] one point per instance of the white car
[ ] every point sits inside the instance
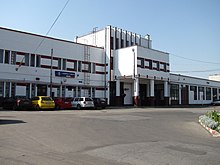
(82, 102)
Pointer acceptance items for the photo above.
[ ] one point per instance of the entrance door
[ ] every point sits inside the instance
(185, 95)
(128, 100)
(41, 90)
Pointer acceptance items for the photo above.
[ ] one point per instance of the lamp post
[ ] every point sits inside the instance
(51, 73)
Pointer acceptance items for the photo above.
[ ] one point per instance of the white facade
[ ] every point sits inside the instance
(109, 63)
(85, 63)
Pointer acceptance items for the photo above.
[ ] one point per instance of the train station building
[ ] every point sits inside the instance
(110, 63)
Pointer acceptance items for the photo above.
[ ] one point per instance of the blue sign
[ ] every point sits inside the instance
(65, 74)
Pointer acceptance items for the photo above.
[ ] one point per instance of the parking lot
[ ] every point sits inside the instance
(122, 136)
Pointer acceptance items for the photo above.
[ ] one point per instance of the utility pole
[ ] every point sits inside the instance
(51, 73)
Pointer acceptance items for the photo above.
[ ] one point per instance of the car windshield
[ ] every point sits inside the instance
(88, 99)
(47, 99)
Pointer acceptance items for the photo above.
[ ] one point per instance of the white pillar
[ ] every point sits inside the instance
(10, 86)
(136, 87)
(151, 88)
(148, 90)
(30, 90)
(35, 90)
(180, 94)
(204, 93)
(166, 94)
(117, 87)
(4, 89)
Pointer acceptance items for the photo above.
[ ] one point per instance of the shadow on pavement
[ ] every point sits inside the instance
(8, 121)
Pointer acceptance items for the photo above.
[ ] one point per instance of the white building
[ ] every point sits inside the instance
(110, 63)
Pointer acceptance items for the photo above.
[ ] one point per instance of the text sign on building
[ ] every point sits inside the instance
(65, 74)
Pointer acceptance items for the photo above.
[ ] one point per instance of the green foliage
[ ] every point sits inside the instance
(211, 119)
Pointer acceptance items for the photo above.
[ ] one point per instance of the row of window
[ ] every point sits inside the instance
(42, 61)
(9, 90)
(198, 93)
(152, 64)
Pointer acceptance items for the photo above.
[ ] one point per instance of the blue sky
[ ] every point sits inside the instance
(186, 28)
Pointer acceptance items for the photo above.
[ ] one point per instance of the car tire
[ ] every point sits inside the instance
(78, 107)
(57, 107)
(37, 107)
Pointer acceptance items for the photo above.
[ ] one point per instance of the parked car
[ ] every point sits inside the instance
(63, 103)
(17, 103)
(82, 102)
(99, 103)
(216, 102)
(43, 102)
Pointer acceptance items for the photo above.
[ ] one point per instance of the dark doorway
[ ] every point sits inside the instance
(159, 94)
(143, 94)
(185, 95)
(112, 93)
(41, 90)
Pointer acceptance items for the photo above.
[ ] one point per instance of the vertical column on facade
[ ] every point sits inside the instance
(4, 89)
(10, 87)
(136, 91)
(10, 57)
(114, 38)
(152, 97)
(205, 93)
(30, 90)
(35, 89)
(166, 93)
(197, 94)
(118, 97)
(211, 94)
(180, 94)
(3, 56)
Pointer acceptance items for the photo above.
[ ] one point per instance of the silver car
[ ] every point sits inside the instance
(82, 102)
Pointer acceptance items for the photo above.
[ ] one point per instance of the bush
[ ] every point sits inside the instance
(209, 121)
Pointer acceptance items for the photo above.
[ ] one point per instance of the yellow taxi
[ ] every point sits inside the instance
(43, 102)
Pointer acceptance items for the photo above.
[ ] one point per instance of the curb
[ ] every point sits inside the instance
(214, 133)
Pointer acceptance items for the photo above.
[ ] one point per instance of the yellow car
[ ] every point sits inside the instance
(43, 102)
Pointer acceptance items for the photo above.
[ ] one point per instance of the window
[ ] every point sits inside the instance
(127, 43)
(174, 92)
(64, 64)
(74, 91)
(93, 67)
(201, 93)
(7, 89)
(13, 58)
(38, 63)
(33, 60)
(111, 43)
(140, 62)
(208, 93)
(194, 90)
(59, 63)
(214, 91)
(148, 63)
(79, 66)
(79, 91)
(1, 89)
(1, 55)
(117, 43)
(122, 43)
(75, 65)
(93, 92)
(7, 56)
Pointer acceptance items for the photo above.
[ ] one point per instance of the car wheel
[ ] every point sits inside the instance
(57, 107)
(14, 107)
(78, 107)
(37, 107)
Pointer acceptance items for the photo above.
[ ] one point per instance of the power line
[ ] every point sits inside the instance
(194, 59)
(46, 34)
(52, 26)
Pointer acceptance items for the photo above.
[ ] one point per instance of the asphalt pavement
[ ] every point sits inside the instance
(137, 136)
